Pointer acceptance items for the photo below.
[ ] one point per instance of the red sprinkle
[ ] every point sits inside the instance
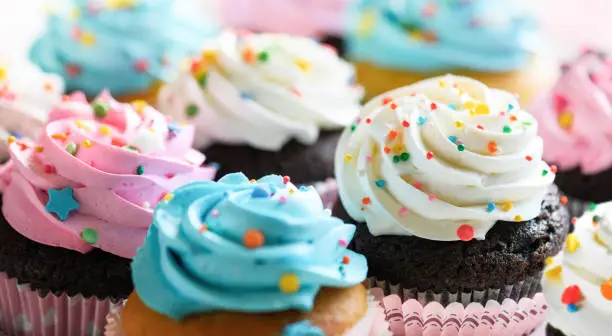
(286, 179)
(480, 127)
(563, 200)
(161, 197)
(296, 92)
(430, 155)
(554, 169)
(574, 220)
(433, 106)
(405, 123)
(387, 149)
(170, 175)
(368, 120)
(528, 158)
(465, 232)
(366, 200)
(119, 142)
(392, 134)
(572, 294)
(387, 100)
(393, 106)
(49, 169)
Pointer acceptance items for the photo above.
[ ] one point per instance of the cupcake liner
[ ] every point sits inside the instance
(26, 312)
(328, 190)
(510, 318)
(577, 207)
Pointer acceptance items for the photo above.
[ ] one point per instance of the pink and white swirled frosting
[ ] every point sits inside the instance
(576, 117)
(119, 160)
(300, 17)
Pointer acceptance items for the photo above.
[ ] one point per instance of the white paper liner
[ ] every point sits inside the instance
(25, 312)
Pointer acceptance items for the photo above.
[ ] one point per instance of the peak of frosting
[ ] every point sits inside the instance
(576, 116)
(264, 90)
(425, 35)
(578, 282)
(247, 246)
(443, 159)
(126, 46)
(116, 161)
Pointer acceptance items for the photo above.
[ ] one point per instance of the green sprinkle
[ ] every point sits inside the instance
(461, 147)
(380, 183)
(405, 156)
(100, 110)
(592, 206)
(544, 172)
(353, 128)
(507, 129)
(72, 148)
(263, 56)
(192, 110)
(140, 170)
(90, 236)
(396, 158)
(203, 80)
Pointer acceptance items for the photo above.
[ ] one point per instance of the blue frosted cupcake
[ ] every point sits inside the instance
(128, 47)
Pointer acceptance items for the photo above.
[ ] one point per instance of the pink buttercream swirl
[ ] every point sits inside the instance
(576, 118)
(120, 164)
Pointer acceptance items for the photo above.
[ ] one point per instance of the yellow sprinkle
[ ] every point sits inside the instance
(291, 191)
(303, 64)
(566, 119)
(151, 129)
(139, 105)
(289, 283)
(572, 243)
(459, 123)
(482, 109)
(120, 4)
(168, 197)
(548, 261)
(518, 218)
(554, 273)
(598, 239)
(253, 181)
(82, 125)
(39, 149)
(398, 148)
(104, 130)
(209, 56)
(88, 39)
(441, 82)
(469, 105)
(87, 143)
(76, 13)
(507, 206)
(367, 22)
(348, 157)
(2, 73)
(416, 35)
(11, 139)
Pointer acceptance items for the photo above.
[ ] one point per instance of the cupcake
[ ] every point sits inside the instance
(452, 201)
(323, 19)
(239, 257)
(576, 119)
(266, 103)
(76, 206)
(578, 282)
(26, 96)
(128, 47)
(395, 43)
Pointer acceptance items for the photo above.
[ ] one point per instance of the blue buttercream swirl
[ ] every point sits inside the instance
(125, 50)
(194, 259)
(303, 328)
(441, 35)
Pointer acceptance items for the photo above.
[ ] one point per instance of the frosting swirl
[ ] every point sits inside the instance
(425, 36)
(264, 90)
(26, 96)
(247, 246)
(578, 282)
(576, 117)
(123, 46)
(95, 173)
(443, 159)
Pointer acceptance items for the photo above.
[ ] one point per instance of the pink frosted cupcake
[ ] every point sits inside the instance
(76, 206)
(576, 125)
(323, 19)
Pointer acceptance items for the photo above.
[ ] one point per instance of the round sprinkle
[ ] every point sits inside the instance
(554, 169)
(214, 213)
(592, 206)
(353, 128)
(452, 139)
(346, 260)
(507, 206)
(386, 100)
(574, 220)
(263, 56)
(393, 106)
(431, 197)
(405, 123)
(433, 106)
(492, 147)
(490, 207)
(544, 172)
(465, 232)
(396, 158)
(286, 179)
(507, 129)
(606, 290)
(282, 199)
(405, 156)
(100, 110)
(104, 130)
(563, 200)
(348, 157)
(342, 243)
(87, 143)
(528, 158)
(429, 155)
(392, 134)
(368, 120)
(289, 283)
(72, 148)
(572, 308)
(39, 149)
(366, 200)
(11, 139)
(380, 183)
(90, 236)
(402, 212)
(192, 110)
(461, 147)
(253, 239)
(140, 170)
(422, 120)
(518, 218)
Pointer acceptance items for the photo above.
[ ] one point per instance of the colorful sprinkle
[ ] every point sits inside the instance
(480, 127)
(168, 197)
(431, 197)
(554, 169)
(554, 273)
(260, 192)
(286, 179)
(459, 124)
(566, 119)
(422, 120)
(57, 136)
(386, 100)
(387, 150)
(303, 64)
(253, 239)
(392, 134)
(596, 219)
(61, 203)
(572, 308)
(72, 148)
(192, 110)
(100, 110)
(563, 200)
(592, 207)
(405, 156)
(465, 232)
(544, 172)
(263, 56)
(452, 139)
(572, 243)
(366, 201)
(402, 212)
(452, 107)
(507, 206)
(429, 155)
(348, 157)
(90, 236)
(396, 159)
(572, 295)
(346, 260)
(405, 123)
(507, 129)
(606, 290)
(548, 261)
(289, 283)
(482, 108)
(518, 218)
(492, 147)
(528, 158)
(393, 106)
(491, 207)
(433, 106)
(140, 170)
(380, 183)
(461, 147)
(104, 130)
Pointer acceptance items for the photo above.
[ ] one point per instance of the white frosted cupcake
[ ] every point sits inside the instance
(267, 103)
(578, 282)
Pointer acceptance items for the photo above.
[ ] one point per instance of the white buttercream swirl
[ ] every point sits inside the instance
(264, 90)
(455, 175)
(588, 265)
(26, 97)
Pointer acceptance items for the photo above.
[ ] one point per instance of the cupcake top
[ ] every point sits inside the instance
(264, 90)
(300, 17)
(436, 35)
(578, 282)
(124, 46)
(26, 96)
(243, 246)
(576, 116)
(95, 173)
(443, 159)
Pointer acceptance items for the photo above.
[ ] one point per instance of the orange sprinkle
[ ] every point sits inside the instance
(387, 149)
(513, 118)
(492, 147)
(393, 106)
(253, 238)
(59, 136)
(366, 200)
(346, 260)
(563, 200)
(392, 134)
(386, 100)
(11, 139)
(48, 87)
(606, 290)
(248, 55)
(203, 227)
(39, 149)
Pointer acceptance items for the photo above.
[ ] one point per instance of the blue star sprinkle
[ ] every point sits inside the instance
(61, 203)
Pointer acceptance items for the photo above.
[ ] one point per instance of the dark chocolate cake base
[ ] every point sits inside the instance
(57, 270)
(337, 42)
(589, 188)
(303, 163)
(552, 331)
(512, 252)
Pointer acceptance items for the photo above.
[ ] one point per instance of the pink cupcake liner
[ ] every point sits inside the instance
(26, 312)
(328, 190)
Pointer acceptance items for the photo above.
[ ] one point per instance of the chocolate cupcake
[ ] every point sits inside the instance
(76, 206)
(576, 119)
(265, 103)
(578, 282)
(452, 201)
(239, 257)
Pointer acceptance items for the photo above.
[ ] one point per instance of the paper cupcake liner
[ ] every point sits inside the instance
(577, 207)
(26, 312)
(328, 190)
